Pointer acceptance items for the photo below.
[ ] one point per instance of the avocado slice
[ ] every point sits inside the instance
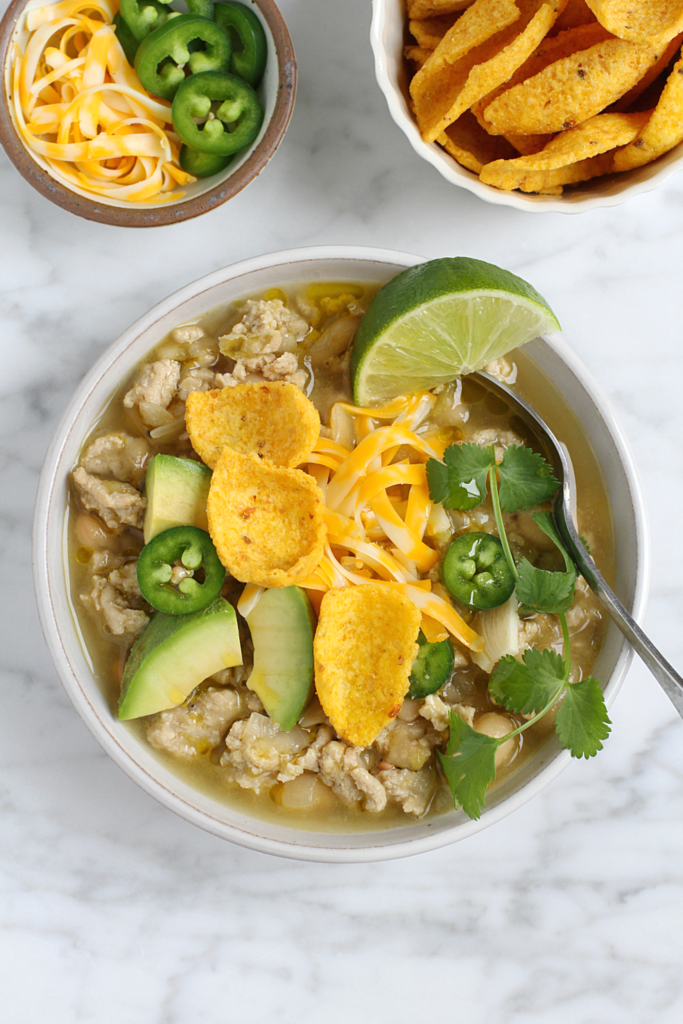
(176, 492)
(172, 656)
(282, 626)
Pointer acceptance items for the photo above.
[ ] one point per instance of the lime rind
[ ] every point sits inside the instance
(439, 320)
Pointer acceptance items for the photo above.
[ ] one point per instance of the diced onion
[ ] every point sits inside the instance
(499, 629)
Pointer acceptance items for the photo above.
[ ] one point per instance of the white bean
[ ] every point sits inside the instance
(204, 352)
(91, 534)
(305, 793)
(495, 725)
(172, 350)
(189, 332)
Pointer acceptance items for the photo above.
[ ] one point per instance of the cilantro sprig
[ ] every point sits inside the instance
(536, 684)
(460, 480)
(463, 480)
(530, 687)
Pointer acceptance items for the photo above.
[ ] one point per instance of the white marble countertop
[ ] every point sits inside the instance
(115, 910)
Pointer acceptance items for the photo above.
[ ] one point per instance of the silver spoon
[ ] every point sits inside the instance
(565, 501)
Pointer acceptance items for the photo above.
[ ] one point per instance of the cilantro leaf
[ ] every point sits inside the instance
(526, 479)
(529, 687)
(460, 480)
(582, 721)
(545, 522)
(543, 591)
(469, 765)
(437, 478)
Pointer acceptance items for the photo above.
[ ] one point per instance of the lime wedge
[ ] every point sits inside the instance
(440, 320)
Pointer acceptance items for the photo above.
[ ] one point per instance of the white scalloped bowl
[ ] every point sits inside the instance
(387, 37)
(556, 360)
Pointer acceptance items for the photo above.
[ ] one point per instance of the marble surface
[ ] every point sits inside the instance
(115, 910)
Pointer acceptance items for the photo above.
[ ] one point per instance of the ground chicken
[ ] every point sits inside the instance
(265, 367)
(156, 384)
(119, 618)
(116, 503)
(197, 379)
(257, 751)
(118, 456)
(528, 633)
(187, 333)
(101, 561)
(125, 580)
(195, 728)
(310, 759)
(342, 771)
(436, 711)
(477, 517)
(407, 744)
(502, 369)
(583, 612)
(500, 439)
(266, 326)
(412, 790)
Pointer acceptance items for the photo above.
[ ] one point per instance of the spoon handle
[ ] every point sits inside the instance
(564, 512)
(664, 673)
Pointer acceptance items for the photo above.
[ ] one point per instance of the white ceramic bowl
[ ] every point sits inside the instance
(558, 363)
(387, 36)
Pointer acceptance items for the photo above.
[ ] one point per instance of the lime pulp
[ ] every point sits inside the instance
(439, 320)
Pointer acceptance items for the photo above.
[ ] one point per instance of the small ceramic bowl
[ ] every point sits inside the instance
(276, 93)
(387, 37)
(334, 263)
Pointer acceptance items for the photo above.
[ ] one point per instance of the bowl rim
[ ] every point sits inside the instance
(150, 217)
(155, 787)
(463, 178)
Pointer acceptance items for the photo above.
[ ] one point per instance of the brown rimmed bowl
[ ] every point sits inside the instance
(276, 92)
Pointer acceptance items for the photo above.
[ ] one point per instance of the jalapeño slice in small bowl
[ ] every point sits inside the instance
(139, 18)
(184, 42)
(249, 46)
(233, 125)
(475, 571)
(202, 165)
(167, 568)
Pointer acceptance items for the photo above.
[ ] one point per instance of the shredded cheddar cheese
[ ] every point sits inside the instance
(80, 107)
(373, 534)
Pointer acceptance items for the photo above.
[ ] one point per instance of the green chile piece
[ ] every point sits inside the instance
(249, 45)
(165, 54)
(194, 549)
(432, 667)
(202, 165)
(239, 111)
(476, 572)
(143, 16)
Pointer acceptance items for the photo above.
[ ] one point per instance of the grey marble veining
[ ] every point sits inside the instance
(113, 909)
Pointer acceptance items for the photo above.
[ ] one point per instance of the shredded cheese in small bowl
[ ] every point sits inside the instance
(80, 106)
